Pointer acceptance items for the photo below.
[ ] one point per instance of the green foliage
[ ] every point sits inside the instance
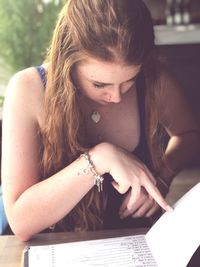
(25, 31)
(1, 101)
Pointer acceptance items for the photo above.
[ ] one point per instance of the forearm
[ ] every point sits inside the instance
(45, 203)
(181, 152)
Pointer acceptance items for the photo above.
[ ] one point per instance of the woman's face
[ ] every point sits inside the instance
(104, 82)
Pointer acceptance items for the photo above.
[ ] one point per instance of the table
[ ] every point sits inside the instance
(11, 249)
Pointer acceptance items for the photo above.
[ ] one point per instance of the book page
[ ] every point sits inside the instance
(129, 251)
(174, 238)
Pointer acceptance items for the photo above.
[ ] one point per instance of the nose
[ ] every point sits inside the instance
(115, 95)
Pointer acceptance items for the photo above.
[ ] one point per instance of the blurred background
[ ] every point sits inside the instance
(25, 32)
(177, 32)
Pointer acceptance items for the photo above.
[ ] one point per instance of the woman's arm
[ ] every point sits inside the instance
(183, 148)
(31, 204)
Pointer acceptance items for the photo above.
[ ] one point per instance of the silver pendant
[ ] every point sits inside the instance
(95, 116)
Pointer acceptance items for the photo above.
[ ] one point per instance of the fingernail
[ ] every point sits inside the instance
(169, 208)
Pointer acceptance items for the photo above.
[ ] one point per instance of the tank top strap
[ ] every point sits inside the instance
(42, 72)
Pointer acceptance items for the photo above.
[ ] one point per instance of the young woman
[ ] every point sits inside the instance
(94, 113)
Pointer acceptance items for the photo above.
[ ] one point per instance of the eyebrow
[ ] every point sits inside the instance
(102, 83)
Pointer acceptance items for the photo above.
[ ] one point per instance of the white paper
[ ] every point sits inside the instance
(129, 251)
(174, 238)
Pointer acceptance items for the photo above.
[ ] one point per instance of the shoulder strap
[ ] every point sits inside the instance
(42, 72)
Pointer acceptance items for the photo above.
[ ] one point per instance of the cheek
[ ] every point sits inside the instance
(105, 94)
(85, 88)
(90, 91)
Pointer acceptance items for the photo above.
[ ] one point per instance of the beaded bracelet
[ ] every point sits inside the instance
(98, 179)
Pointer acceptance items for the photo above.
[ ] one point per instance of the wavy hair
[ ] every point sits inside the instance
(107, 30)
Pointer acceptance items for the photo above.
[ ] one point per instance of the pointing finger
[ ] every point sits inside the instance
(155, 193)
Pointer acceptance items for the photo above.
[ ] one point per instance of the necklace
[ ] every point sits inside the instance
(95, 116)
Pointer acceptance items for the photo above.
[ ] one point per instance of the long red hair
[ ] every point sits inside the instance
(100, 29)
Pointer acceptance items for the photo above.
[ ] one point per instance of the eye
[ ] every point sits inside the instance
(129, 83)
(132, 80)
(98, 85)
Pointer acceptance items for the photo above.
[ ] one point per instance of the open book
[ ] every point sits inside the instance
(171, 242)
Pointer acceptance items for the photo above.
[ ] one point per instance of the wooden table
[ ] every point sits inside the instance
(11, 249)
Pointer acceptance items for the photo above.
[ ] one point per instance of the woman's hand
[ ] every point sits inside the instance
(129, 173)
(144, 206)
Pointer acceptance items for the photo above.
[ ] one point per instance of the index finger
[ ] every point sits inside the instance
(155, 193)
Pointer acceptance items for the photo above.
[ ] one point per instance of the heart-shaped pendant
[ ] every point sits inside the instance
(95, 116)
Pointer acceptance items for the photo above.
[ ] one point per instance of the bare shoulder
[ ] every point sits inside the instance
(25, 93)
(175, 111)
(22, 117)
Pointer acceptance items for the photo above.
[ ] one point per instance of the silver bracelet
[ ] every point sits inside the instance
(98, 179)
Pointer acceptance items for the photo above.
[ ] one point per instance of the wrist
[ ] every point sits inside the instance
(91, 169)
(100, 157)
